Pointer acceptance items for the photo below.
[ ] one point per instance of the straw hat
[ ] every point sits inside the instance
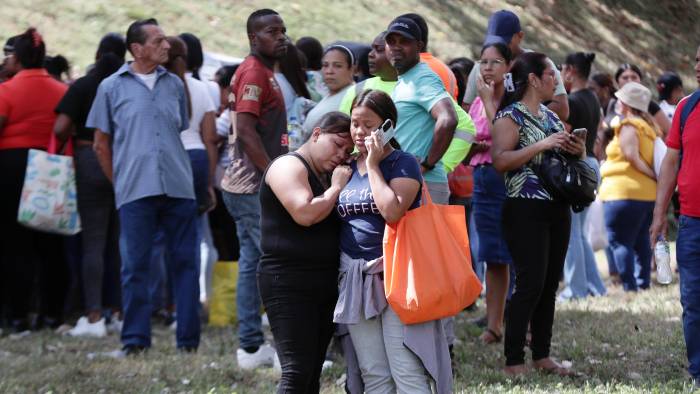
(635, 95)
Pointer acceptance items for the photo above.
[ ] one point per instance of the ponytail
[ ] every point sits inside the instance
(516, 80)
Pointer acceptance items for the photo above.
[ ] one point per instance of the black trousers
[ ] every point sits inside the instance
(33, 269)
(300, 309)
(537, 234)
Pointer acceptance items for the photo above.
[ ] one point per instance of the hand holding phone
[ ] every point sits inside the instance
(386, 130)
(580, 132)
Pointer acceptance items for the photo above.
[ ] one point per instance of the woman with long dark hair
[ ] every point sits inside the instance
(489, 188)
(535, 226)
(297, 100)
(98, 213)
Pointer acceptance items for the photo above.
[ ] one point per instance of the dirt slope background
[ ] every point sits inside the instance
(657, 35)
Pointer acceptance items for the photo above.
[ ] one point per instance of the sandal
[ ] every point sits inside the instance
(491, 337)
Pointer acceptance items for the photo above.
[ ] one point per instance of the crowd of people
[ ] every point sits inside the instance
(293, 163)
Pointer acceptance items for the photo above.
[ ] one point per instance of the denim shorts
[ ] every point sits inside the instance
(487, 204)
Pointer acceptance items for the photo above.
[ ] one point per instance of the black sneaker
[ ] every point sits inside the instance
(134, 350)
(187, 349)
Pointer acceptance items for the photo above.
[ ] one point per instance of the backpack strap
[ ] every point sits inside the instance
(687, 110)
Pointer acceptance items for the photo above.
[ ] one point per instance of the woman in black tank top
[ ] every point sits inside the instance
(298, 271)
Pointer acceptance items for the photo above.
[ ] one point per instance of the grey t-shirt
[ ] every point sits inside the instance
(470, 94)
(327, 104)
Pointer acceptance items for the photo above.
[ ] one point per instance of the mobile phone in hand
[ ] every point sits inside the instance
(387, 131)
(580, 132)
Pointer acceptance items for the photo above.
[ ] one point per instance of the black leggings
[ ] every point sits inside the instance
(300, 309)
(537, 234)
(33, 270)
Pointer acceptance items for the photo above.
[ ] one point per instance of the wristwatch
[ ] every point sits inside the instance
(427, 165)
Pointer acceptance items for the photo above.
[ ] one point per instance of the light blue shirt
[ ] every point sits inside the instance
(148, 157)
(417, 91)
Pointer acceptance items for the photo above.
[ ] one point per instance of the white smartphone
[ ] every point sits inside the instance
(386, 130)
(580, 132)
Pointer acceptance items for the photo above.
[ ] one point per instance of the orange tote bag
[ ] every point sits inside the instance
(428, 271)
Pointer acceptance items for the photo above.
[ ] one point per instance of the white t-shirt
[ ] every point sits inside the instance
(328, 104)
(669, 109)
(201, 104)
(148, 79)
(212, 88)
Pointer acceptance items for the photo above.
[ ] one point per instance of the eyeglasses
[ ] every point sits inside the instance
(492, 63)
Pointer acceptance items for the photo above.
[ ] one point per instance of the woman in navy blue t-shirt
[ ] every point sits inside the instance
(384, 185)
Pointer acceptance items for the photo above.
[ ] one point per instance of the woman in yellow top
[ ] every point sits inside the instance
(628, 189)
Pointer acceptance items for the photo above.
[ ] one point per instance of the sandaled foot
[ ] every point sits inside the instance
(516, 370)
(490, 336)
(550, 366)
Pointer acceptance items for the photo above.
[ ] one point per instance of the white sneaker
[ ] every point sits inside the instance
(265, 321)
(263, 357)
(115, 326)
(86, 329)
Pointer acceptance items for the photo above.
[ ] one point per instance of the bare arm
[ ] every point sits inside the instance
(664, 191)
(288, 179)
(210, 139)
(560, 106)
(663, 122)
(250, 140)
(629, 144)
(103, 150)
(505, 139)
(63, 127)
(445, 124)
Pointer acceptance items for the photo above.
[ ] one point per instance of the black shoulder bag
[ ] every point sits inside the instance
(566, 177)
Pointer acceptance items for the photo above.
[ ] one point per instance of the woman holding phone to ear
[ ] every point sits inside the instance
(384, 185)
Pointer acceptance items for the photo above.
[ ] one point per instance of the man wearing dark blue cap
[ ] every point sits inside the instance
(504, 27)
(427, 119)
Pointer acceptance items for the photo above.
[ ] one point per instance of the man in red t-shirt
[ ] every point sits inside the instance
(258, 135)
(685, 172)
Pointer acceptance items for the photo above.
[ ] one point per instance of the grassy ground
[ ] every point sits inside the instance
(620, 343)
(657, 35)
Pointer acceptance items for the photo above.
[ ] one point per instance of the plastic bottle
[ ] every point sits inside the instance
(294, 133)
(662, 253)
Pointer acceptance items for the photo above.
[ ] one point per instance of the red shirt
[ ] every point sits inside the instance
(256, 92)
(689, 175)
(28, 101)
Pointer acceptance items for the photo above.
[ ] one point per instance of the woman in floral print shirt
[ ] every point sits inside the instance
(535, 226)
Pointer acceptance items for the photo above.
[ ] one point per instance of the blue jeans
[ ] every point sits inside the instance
(245, 210)
(140, 221)
(581, 274)
(627, 222)
(688, 256)
(200, 174)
